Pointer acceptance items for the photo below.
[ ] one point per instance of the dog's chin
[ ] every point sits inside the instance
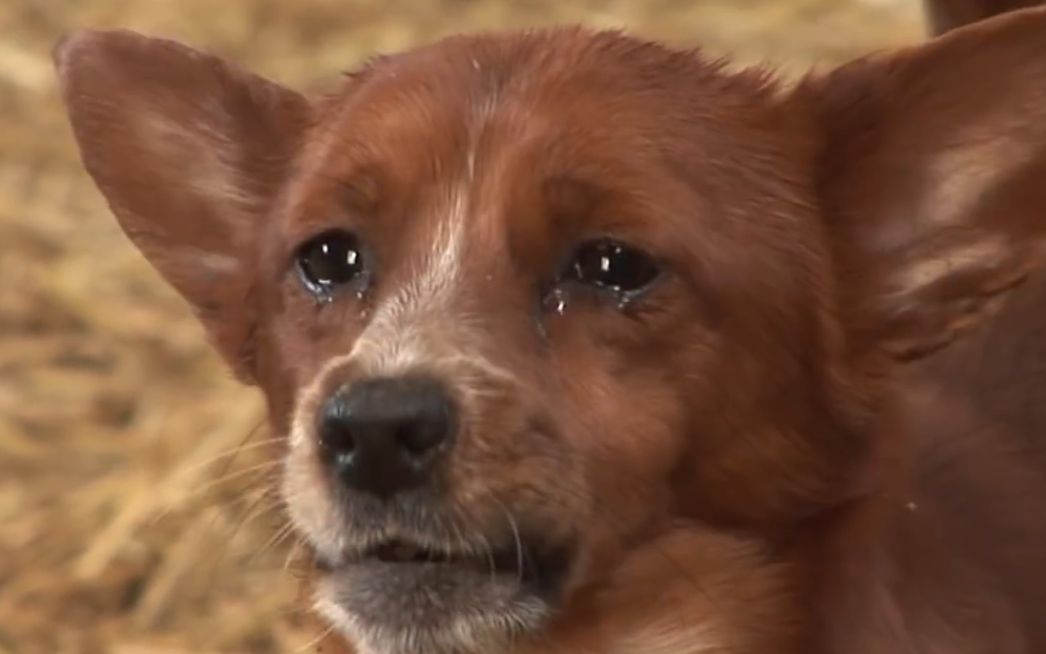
(398, 598)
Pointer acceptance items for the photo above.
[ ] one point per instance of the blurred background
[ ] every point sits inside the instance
(134, 512)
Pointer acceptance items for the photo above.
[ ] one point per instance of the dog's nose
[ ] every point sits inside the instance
(383, 436)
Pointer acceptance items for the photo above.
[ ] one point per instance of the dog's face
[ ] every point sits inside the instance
(505, 325)
(521, 302)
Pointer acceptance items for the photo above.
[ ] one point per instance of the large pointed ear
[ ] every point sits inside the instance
(932, 179)
(189, 152)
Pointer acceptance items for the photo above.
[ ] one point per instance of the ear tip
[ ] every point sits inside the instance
(78, 44)
(64, 47)
(73, 42)
(66, 51)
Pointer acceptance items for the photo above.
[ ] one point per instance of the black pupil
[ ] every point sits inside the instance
(613, 265)
(330, 259)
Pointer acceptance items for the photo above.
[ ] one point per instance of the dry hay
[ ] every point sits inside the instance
(127, 526)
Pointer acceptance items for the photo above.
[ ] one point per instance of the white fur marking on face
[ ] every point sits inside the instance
(399, 336)
(416, 326)
(422, 324)
(302, 489)
(396, 339)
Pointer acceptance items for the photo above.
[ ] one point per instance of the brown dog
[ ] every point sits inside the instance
(582, 344)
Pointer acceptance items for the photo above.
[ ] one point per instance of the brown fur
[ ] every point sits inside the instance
(945, 15)
(790, 444)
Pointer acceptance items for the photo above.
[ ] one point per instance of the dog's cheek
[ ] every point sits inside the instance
(761, 449)
(304, 486)
(628, 424)
(287, 361)
(308, 501)
(515, 458)
(624, 406)
(283, 370)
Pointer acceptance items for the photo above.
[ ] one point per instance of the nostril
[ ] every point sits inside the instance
(423, 436)
(335, 429)
(336, 439)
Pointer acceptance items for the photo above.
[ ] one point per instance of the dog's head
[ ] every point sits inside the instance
(520, 301)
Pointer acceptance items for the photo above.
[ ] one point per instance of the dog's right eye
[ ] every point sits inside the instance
(613, 266)
(330, 260)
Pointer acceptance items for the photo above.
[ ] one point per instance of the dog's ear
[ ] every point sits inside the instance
(189, 152)
(944, 15)
(932, 179)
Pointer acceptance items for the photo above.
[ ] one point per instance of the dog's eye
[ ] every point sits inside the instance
(330, 260)
(612, 265)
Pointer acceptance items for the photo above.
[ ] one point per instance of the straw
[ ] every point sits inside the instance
(115, 536)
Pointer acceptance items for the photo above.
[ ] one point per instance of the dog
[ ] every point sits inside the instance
(585, 344)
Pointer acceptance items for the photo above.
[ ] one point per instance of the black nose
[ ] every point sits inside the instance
(383, 436)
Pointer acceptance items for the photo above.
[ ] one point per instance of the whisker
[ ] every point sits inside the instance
(488, 548)
(243, 444)
(280, 536)
(293, 550)
(258, 507)
(261, 505)
(231, 454)
(515, 535)
(315, 641)
(211, 484)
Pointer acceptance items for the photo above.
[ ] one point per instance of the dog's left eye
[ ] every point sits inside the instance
(330, 260)
(612, 265)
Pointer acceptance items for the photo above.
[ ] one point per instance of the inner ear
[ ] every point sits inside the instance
(190, 152)
(931, 179)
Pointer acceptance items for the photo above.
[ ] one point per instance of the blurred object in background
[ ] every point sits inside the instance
(134, 512)
(944, 15)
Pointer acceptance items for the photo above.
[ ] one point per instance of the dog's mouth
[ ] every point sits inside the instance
(536, 568)
(517, 559)
(428, 591)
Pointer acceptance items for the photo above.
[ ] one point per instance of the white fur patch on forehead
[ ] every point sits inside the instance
(394, 341)
(399, 335)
